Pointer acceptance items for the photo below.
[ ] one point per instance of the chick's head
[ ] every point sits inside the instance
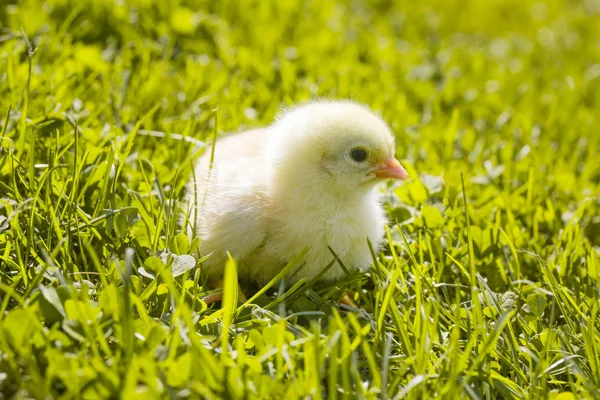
(341, 144)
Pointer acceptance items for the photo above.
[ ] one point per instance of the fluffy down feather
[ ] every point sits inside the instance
(308, 179)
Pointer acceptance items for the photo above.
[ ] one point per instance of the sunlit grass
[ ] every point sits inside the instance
(489, 284)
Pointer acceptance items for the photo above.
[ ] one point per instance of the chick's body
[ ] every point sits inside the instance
(273, 191)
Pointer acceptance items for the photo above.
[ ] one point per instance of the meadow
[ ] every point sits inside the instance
(489, 283)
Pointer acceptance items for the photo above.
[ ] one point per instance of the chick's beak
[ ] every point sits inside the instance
(391, 169)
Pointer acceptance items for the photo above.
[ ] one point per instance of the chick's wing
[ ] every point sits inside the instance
(227, 199)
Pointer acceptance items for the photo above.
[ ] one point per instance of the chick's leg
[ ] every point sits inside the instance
(213, 298)
(347, 300)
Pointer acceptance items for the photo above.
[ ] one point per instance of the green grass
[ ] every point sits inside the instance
(490, 285)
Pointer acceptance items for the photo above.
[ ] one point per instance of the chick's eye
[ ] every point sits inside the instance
(358, 155)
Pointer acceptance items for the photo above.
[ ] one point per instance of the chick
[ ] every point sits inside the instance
(308, 179)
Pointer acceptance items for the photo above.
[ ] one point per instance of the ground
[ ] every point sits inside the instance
(489, 284)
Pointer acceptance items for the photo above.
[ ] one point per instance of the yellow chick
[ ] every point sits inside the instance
(308, 179)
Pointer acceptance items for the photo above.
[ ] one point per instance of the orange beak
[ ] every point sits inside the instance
(391, 169)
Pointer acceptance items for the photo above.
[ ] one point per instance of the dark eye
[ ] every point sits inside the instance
(358, 155)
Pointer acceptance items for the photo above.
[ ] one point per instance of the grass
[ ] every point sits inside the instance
(490, 285)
